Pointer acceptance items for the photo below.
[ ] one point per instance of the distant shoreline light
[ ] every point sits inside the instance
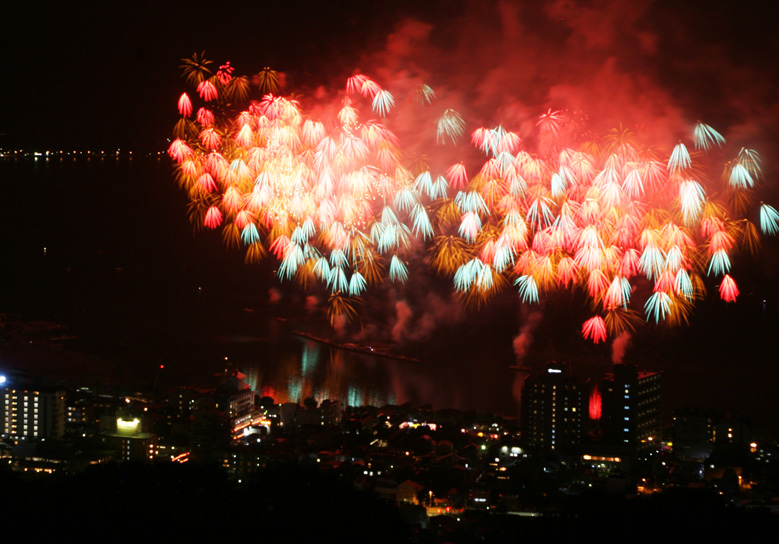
(48, 154)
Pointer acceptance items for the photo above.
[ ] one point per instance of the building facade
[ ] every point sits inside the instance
(553, 408)
(32, 413)
(631, 407)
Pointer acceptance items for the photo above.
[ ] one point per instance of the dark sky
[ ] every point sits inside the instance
(107, 75)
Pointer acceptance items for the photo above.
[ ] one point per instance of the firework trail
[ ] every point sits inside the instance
(337, 202)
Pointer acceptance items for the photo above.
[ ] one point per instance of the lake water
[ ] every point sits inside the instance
(104, 246)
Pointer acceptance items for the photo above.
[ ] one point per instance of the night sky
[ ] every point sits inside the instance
(107, 77)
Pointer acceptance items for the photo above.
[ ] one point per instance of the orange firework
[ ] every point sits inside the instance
(336, 202)
(329, 198)
(605, 217)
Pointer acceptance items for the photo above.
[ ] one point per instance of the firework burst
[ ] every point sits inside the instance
(330, 198)
(338, 204)
(609, 216)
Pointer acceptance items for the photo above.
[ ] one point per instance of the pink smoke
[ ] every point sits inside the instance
(432, 311)
(504, 63)
(274, 295)
(312, 304)
(619, 347)
(403, 317)
(339, 324)
(524, 339)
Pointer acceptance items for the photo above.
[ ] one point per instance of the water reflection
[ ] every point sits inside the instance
(296, 369)
(290, 368)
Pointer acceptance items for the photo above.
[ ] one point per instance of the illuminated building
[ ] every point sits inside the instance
(225, 414)
(32, 413)
(408, 492)
(603, 465)
(631, 407)
(87, 413)
(235, 399)
(130, 441)
(553, 405)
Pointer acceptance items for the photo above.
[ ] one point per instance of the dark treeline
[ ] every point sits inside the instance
(301, 503)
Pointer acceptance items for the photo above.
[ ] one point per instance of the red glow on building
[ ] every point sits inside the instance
(269, 391)
(595, 403)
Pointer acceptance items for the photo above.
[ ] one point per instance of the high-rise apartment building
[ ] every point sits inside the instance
(631, 407)
(553, 409)
(32, 413)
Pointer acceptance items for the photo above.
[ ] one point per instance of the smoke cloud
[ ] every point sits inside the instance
(339, 324)
(619, 347)
(432, 311)
(312, 304)
(505, 63)
(645, 66)
(274, 295)
(523, 341)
